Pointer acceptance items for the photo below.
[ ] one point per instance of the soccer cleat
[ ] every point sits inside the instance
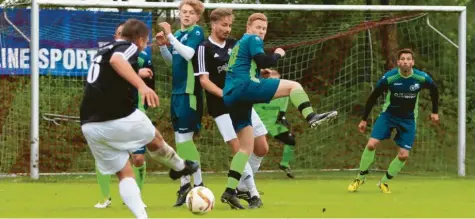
(287, 171)
(353, 187)
(104, 204)
(232, 200)
(318, 119)
(255, 202)
(190, 168)
(181, 195)
(384, 187)
(244, 195)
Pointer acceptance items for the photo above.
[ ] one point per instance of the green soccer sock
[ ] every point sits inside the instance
(367, 159)
(188, 151)
(237, 167)
(140, 173)
(394, 168)
(104, 184)
(299, 99)
(287, 155)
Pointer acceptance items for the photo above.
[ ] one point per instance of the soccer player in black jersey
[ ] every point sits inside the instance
(138, 156)
(110, 121)
(210, 64)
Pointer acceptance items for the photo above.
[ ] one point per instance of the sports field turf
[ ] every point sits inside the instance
(315, 195)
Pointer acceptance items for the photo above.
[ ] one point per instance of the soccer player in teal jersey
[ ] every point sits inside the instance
(138, 159)
(403, 85)
(243, 89)
(186, 101)
(272, 115)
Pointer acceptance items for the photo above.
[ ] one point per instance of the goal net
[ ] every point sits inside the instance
(337, 56)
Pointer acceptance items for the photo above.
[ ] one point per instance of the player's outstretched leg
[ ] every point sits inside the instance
(159, 150)
(394, 168)
(367, 159)
(300, 99)
(104, 184)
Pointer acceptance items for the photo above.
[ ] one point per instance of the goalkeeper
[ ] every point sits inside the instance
(402, 85)
(138, 157)
(272, 115)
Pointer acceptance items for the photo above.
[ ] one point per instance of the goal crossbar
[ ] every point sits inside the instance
(286, 7)
(34, 45)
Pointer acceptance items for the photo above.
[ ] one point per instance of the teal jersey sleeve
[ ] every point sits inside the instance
(382, 83)
(195, 37)
(256, 46)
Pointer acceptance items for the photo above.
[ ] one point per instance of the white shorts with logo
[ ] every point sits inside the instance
(112, 141)
(226, 128)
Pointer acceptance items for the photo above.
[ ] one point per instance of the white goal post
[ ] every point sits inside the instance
(35, 33)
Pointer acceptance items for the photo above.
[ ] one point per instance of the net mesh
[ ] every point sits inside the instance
(336, 56)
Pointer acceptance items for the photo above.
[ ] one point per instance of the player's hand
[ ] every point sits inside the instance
(434, 118)
(145, 73)
(280, 51)
(269, 73)
(166, 27)
(161, 38)
(362, 126)
(148, 96)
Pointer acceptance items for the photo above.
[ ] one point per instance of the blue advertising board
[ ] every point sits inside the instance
(68, 39)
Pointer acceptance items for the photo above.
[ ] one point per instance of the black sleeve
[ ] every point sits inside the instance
(199, 61)
(129, 51)
(266, 61)
(372, 100)
(434, 96)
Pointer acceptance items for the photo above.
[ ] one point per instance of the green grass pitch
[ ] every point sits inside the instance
(303, 197)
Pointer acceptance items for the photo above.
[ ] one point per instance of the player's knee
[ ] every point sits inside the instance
(403, 155)
(372, 144)
(286, 138)
(261, 148)
(234, 143)
(157, 141)
(138, 160)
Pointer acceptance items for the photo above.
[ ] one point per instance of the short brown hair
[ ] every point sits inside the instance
(134, 29)
(404, 51)
(195, 4)
(256, 16)
(219, 13)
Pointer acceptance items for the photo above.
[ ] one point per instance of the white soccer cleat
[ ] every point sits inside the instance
(106, 203)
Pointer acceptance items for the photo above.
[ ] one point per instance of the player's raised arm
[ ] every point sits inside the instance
(185, 50)
(164, 51)
(381, 86)
(256, 44)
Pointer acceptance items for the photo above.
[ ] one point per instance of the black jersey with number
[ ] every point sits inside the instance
(212, 59)
(107, 95)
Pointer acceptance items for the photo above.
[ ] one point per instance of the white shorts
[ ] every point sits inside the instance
(112, 141)
(259, 127)
(225, 126)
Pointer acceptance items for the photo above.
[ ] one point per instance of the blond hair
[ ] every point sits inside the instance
(220, 13)
(256, 16)
(195, 4)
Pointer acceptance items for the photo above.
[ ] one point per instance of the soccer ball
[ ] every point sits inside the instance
(200, 200)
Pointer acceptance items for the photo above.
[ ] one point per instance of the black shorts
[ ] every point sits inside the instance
(215, 105)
